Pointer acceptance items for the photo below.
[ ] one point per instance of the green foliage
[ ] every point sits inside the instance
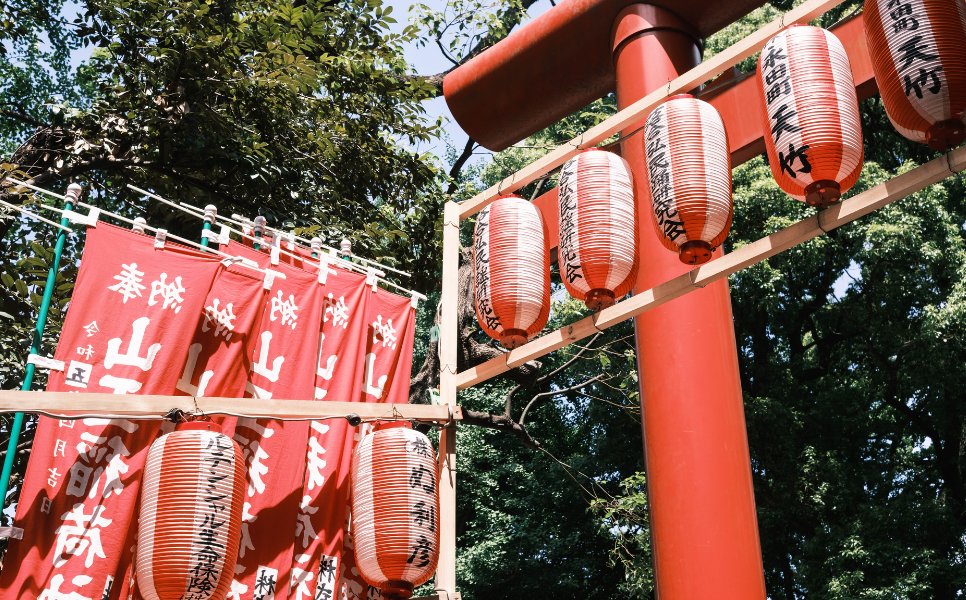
(301, 112)
(853, 400)
(625, 519)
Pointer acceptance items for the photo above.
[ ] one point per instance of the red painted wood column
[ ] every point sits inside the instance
(702, 506)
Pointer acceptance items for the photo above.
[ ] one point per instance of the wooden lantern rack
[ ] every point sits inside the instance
(448, 412)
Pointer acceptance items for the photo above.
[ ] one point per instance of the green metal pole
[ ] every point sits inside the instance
(210, 212)
(259, 228)
(73, 193)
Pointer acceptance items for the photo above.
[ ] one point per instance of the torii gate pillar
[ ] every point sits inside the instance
(702, 505)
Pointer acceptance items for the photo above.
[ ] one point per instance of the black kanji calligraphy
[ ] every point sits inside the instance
(913, 51)
(783, 122)
(787, 161)
(416, 479)
(916, 85)
(421, 552)
(424, 514)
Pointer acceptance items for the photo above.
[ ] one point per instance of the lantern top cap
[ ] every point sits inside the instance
(680, 97)
(199, 426)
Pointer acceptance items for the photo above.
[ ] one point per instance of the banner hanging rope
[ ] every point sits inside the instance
(380, 276)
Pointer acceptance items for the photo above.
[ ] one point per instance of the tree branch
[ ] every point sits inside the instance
(547, 395)
(23, 117)
(509, 21)
(458, 165)
(500, 423)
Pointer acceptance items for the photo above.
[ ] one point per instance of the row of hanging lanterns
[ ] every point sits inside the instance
(815, 151)
(813, 138)
(192, 501)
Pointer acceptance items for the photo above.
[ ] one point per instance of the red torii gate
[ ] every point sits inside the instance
(703, 520)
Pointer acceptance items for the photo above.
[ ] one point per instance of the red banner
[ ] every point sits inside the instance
(391, 323)
(284, 365)
(124, 334)
(220, 355)
(218, 361)
(339, 374)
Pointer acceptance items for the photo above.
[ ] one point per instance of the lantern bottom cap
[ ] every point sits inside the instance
(395, 588)
(599, 299)
(695, 252)
(822, 193)
(946, 134)
(513, 338)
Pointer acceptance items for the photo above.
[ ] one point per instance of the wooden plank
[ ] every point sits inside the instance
(845, 212)
(131, 406)
(449, 305)
(446, 567)
(643, 107)
(448, 340)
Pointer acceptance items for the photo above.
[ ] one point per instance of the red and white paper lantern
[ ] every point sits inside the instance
(511, 270)
(918, 51)
(395, 510)
(689, 177)
(813, 131)
(191, 511)
(598, 228)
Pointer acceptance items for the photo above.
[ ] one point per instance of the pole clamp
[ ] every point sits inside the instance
(160, 235)
(45, 363)
(222, 238)
(14, 533)
(89, 219)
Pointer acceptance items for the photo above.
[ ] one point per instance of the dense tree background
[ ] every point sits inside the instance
(852, 347)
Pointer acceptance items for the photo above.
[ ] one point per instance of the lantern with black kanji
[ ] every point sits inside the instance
(598, 228)
(511, 270)
(189, 528)
(811, 114)
(395, 510)
(918, 51)
(688, 177)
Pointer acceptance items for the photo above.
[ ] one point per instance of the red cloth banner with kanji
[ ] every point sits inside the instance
(123, 334)
(339, 377)
(391, 326)
(220, 355)
(218, 361)
(284, 366)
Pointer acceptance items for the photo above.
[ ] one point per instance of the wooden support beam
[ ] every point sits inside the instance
(845, 212)
(448, 340)
(131, 406)
(643, 107)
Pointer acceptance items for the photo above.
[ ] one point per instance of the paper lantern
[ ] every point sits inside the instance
(689, 177)
(812, 130)
(511, 270)
(918, 51)
(191, 511)
(395, 510)
(598, 228)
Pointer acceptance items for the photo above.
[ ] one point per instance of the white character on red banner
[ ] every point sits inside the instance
(54, 593)
(301, 578)
(97, 455)
(304, 527)
(84, 534)
(170, 293)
